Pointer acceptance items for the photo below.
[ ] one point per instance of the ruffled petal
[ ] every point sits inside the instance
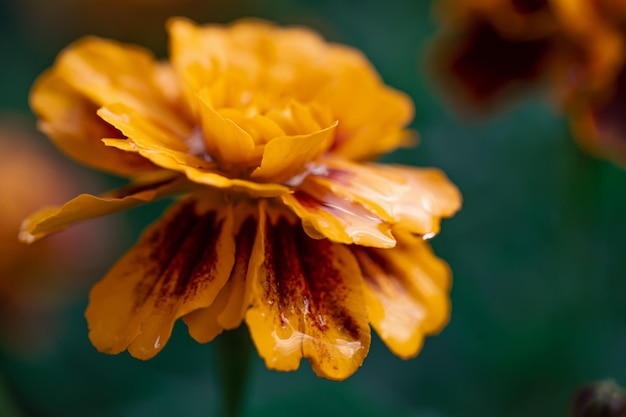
(109, 72)
(228, 309)
(254, 50)
(164, 150)
(53, 219)
(372, 117)
(297, 63)
(307, 301)
(225, 140)
(287, 156)
(326, 215)
(179, 265)
(406, 290)
(70, 120)
(410, 198)
(359, 203)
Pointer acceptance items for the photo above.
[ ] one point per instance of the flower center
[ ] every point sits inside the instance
(238, 124)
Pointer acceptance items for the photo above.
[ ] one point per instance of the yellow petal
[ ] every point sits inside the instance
(141, 129)
(307, 301)
(70, 120)
(287, 156)
(372, 117)
(179, 265)
(325, 215)
(406, 289)
(108, 72)
(86, 206)
(228, 309)
(411, 198)
(298, 64)
(166, 151)
(225, 140)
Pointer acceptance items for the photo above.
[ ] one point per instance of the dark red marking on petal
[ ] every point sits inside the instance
(302, 271)
(244, 241)
(282, 265)
(306, 200)
(199, 255)
(364, 259)
(166, 241)
(370, 255)
(375, 257)
(325, 282)
(486, 62)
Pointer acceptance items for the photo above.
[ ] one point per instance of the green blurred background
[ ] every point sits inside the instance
(538, 251)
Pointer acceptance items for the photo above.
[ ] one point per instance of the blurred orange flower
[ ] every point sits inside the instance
(35, 280)
(265, 131)
(490, 48)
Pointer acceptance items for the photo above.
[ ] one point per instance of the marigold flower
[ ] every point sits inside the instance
(265, 130)
(490, 48)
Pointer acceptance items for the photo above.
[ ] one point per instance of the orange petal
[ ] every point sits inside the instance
(225, 140)
(307, 301)
(406, 289)
(165, 150)
(372, 117)
(108, 72)
(411, 198)
(141, 129)
(228, 309)
(325, 215)
(70, 120)
(53, 219)
(285, 157)
(179, 265)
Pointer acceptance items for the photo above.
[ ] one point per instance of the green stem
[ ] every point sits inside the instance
(233, 361)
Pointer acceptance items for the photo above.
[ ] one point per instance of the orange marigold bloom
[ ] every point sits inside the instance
(264, 130)
(490, 48)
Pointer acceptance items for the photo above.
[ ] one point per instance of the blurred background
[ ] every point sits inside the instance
(538, 251)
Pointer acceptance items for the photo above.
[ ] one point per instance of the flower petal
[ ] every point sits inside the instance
(372, 116)
(161, 148)
(411, 198)
(70, 120)
(307, 301)
(326, 215)
(109, 72)
(287, 156)
(230, 305)
(53, 219)
(298, 64)
(406, 289)
(179, 265)
(225, 139)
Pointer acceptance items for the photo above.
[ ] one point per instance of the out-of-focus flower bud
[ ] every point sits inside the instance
(599, 399)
